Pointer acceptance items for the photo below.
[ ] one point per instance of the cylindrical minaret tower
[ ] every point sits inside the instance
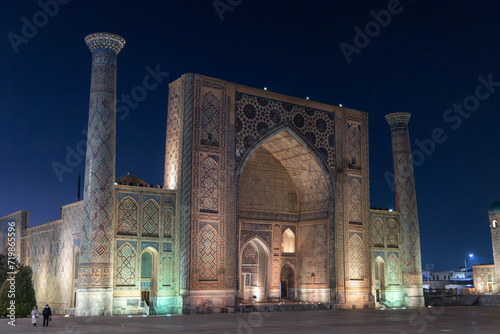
(494, 215)
(406, 204)
(95, 274)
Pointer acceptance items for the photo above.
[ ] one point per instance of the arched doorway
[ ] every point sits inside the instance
(149, 275)
(255, 271)
(490, 283)
(287, 281)
(379, 280)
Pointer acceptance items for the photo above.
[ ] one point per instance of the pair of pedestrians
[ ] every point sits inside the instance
(47, 316)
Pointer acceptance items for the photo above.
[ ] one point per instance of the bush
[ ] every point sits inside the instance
(3, 268)
(23, 295)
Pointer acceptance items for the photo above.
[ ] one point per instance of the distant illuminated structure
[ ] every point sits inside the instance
(265, 198)
(487, 276)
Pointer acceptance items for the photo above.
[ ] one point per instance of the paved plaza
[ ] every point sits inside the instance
(430, 320)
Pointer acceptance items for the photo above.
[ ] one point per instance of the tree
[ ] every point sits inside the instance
(3, 268)
(21, 290)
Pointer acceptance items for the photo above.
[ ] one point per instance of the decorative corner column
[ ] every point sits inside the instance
(406, 205)
(95, 273)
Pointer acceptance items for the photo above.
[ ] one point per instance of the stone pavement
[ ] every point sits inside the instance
(458, 319)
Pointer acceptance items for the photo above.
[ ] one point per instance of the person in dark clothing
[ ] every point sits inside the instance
(46, 314)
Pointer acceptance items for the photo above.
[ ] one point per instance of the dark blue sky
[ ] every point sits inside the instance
(425, 60)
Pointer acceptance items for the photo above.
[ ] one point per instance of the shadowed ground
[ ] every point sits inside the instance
(457, 319)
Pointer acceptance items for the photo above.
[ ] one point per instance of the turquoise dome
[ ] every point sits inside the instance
(495, 206)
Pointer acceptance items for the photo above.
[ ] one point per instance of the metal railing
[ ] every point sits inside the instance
(145, 307)
(385, 302)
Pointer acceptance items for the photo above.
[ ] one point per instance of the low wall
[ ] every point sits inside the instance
(462, 300)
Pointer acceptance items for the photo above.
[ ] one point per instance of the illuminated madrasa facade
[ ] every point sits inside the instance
(265, 198)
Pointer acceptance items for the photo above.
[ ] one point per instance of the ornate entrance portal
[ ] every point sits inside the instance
(284, 214)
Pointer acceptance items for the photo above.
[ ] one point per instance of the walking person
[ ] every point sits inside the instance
(34, 316)
(46, 314)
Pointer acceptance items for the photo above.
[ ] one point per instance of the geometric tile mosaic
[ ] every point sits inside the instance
(167, 230)
(127, 217)
(257, 116)
(313, 254)
(208, 254)
(354, 144)
(210, 120)
(167, 271)
(392, 233)
(151, 217)
(209, 183)
(356, 258)
(378, 233)
(125, 266)
(355, 201)
(392, 274)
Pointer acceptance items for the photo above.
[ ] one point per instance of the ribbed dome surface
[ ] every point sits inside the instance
(130, 180)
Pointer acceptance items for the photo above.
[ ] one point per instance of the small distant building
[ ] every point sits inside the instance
(446, 279)
(487, 276)
(483, 278)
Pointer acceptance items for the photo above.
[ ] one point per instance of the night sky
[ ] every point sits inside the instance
(425, 58)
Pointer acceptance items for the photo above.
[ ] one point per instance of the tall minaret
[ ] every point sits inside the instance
(95, 274)
(494, 215)
(406, 204)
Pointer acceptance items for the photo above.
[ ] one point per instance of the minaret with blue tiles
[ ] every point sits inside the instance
(406, 203)
(95, 274)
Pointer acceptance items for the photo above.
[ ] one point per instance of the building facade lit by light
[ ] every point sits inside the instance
(265, 198)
